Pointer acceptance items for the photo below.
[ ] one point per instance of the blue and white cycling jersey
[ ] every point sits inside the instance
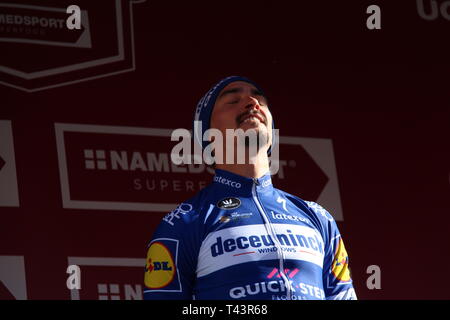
(241, 238)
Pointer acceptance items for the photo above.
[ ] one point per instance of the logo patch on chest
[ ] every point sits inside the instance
(234, 216)
(229, 203)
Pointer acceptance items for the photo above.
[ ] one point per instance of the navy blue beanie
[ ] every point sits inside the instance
(206, 104)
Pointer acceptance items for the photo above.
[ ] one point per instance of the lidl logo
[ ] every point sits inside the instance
(158, 265)
(340, 267)
(160, 268)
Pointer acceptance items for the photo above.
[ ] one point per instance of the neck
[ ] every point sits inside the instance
(254, 170)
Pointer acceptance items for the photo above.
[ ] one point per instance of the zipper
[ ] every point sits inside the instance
(271, 232)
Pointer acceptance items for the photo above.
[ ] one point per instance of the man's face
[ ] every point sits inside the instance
(240, 105)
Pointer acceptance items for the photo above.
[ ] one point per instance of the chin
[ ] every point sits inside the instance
(255, 125)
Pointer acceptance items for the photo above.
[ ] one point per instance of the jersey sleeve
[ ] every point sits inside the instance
(337, 281)
(171, 261)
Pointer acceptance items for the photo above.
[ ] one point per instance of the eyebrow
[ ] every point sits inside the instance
(240, 89)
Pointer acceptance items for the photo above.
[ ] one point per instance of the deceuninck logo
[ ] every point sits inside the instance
(61, 56)
(129, 168)
(222, 249)
(108, 278)
(9, 194)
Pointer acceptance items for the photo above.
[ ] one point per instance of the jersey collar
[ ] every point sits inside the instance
(240, 184)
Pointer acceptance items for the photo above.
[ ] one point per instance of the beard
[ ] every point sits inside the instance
(262, 140)
(262, 135)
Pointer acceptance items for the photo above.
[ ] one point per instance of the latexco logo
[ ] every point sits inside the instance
(227, 182)
(9, 194)
(284, 216)
(127, 278)
(129, 168)
(63, 56)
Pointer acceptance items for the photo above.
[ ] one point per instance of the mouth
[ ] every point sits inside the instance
(251, 117)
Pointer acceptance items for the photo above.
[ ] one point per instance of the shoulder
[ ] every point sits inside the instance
(314, 210)
(320, 211)
(184, 222)
(189, 211)
(330, 228)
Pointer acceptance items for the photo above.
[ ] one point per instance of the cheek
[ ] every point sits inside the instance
(269, 119)
(223, 118)
(269, 125)
(219, 120)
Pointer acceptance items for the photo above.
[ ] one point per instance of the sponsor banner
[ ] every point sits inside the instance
(13, 284)
(129, 168)
(108, 278)
(18, 21)
(229, 247)
(9, 194)
(123, 168)
(62, 56)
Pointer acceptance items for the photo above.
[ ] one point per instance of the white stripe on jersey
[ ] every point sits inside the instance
(236, 245)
